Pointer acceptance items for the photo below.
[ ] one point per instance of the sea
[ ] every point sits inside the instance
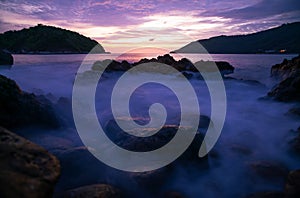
(256, 136)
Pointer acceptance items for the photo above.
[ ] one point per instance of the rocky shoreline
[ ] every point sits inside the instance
(29, 170)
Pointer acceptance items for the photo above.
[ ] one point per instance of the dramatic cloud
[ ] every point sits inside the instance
(121, 25)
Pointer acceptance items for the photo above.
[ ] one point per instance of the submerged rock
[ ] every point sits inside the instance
(26, 169)
(269, 194)
(18, 108)
(6, 58)
(269, 170)
(95, 191)
(295, 111)
(289, 88)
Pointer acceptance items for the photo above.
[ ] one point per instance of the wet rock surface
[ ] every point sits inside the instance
(288, 90)
(26, 169)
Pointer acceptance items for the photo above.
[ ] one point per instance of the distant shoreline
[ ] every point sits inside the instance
(56, 53)
(234, 53)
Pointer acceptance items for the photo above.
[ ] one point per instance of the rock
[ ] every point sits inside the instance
(112, 65)
(269, 170)
(209, 66)
(241, 149)
(187, 75)
(26, 169)
(295, 142)
(152, 180)
(76, 173)
(166, 134)
(172, 194)
(271, 194)
(286, 68)
(94, 191)
(166, 59)
(6, 58)
(295, 111)
(18, 108)
(182, 65)
(289, 88)
(292, 187)
(143, 144)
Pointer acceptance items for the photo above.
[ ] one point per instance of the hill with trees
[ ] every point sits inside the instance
(282, 39)
(42, 39)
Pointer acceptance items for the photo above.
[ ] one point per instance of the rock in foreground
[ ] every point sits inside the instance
(26, 169)
(18, 108)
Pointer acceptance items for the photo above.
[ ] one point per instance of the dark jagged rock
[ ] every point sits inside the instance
(182, 65)
(95, 191)
(18, 108)
(26, 169)
(6, 58)
(292, 187)
(286, 69)
(289, 88)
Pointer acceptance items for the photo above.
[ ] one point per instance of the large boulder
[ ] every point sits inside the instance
(18, 108)
(289, 88)
(6, 58)
(26, 169)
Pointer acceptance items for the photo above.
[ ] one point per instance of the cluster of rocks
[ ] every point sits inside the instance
(182, 65)
(288, 72)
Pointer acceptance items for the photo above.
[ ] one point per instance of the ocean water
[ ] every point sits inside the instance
(256, 132)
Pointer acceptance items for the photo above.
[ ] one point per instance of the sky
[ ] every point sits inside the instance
(120, 26)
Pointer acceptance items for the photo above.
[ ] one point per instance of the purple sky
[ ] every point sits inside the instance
(169, 24)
